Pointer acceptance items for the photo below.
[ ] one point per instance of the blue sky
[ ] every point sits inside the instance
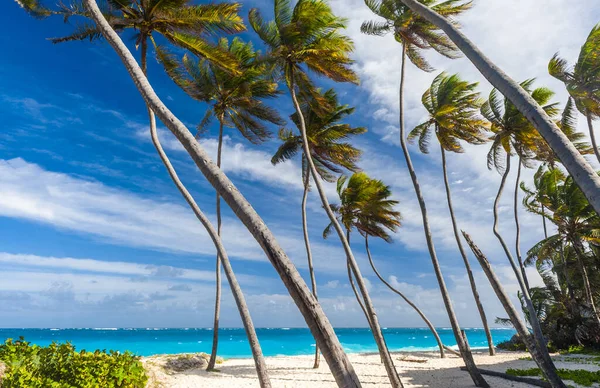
(94, 234)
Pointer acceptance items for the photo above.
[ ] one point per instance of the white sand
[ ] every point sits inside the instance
(297, 371)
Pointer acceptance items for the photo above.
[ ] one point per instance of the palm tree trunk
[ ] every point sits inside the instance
(592, 136)
(259, 361)
(376, 329)
(539, 354)
(484, 321)
(580, 254)
(460, 340)
(410, 303)
(311, 269)
(309, 307)
(351, 281)
(574, 162)
(533, 319)
(518, 226)
(544, 223)
(213, 353)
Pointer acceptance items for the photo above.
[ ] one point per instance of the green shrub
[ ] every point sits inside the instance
(578, 376)
(60, 366)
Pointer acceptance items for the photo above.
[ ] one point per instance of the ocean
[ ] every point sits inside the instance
(233, 343)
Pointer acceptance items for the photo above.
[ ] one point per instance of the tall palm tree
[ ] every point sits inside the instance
(538, 354)
(583, 80)
(365, 204)
(238, 295)
(236, 101)
(513, 133)
(576, 222)
(184, 25)
(310, 308)
(331, 153)
(453, 106)
(573, 161)
(416, 34)
(308, 37)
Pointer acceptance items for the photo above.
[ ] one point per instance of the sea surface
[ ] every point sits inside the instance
(233, 343)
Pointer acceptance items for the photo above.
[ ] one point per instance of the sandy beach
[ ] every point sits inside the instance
(416, 370)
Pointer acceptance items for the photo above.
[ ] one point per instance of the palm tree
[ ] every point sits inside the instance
(238, 295)
(330, 152)
(365, 204)
(583, 80)
(308, 37)
(573, 161)
(453, 108)
(574, 218)
(538, 353)
(416, 34)
(181, 24)
(236, 102)
(310, 308)
(513, 133)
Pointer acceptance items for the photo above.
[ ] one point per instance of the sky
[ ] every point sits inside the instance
(94, 234)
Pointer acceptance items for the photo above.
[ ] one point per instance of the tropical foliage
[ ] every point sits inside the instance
(59, 365)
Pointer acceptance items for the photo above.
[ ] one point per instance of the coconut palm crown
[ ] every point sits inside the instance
(306, 36)
(327, 138)
(365, 204)
(453, 106)
(236, 100)
(179, 21)
(413, 31)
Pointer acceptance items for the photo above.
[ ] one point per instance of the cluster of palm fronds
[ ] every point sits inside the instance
(306, 39)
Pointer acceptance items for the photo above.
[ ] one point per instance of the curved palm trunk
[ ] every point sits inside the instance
(309, 307)
(311, 269)
(544, 223)
(539, 354)
(213, 353)
(375, 328)
(533, 319)
(518, 225)
(460, 340)
(592, 136)
(410, 303)
(580, 253)
(259, 361)
(574, 162)
(484, 321)
(351, 281)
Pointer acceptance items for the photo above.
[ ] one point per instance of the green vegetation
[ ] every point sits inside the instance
(60, 366)
(578, 376)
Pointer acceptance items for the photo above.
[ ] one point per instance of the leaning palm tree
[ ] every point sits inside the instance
(575, 220)
(453, 106)
(416, 34)
(538, 353)
(330, 151)
(514, 134)
(309, 307)
(236, 101)
(307, 37)
(183, 25)
(365, 205)
(573, 161)
(583, 80)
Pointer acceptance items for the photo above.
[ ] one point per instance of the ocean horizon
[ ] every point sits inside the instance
(233, 343)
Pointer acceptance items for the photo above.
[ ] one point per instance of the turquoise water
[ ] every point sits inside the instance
(232, 343)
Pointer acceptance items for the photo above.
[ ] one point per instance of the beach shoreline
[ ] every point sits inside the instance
(416, 369)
